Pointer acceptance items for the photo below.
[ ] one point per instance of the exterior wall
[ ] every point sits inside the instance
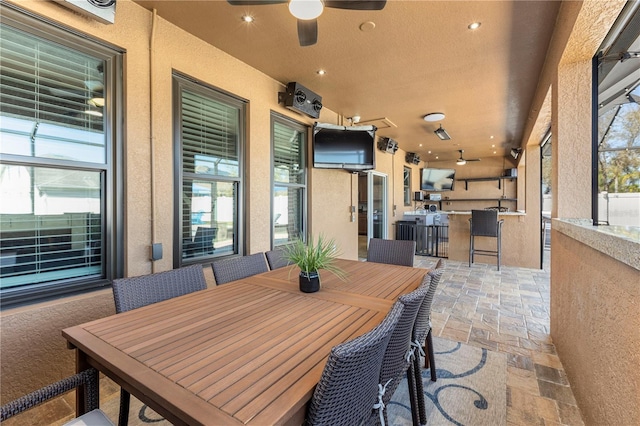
(595, 325)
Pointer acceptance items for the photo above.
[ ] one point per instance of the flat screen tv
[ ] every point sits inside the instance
(339, 147)
(437, 179)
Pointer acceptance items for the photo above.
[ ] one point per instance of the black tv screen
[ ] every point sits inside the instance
(437, 179)
(341, 147)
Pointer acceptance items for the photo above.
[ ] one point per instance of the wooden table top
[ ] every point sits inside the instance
(247, 352)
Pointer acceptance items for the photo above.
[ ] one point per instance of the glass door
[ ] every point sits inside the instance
(377, 205)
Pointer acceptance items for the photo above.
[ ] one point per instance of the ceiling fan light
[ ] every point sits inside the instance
(306, 9)
(461, 162)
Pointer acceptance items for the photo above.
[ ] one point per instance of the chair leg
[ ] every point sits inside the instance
(413, 396)
(470, 250)
(499, 252)
(125, 399)
(430, 354)
(422, 408)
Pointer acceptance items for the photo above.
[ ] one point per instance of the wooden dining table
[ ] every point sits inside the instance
(249, 352)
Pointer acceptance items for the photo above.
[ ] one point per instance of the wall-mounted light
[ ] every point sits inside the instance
(442, 133)
(515, 152)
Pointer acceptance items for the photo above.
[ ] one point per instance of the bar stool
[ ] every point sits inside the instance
(485, 223)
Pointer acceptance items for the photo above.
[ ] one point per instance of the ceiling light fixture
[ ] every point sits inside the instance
(461, 162)
(474, 25)
(434, 116)
(306, 9)
(247, 18)
(321, 72)
(442, 133)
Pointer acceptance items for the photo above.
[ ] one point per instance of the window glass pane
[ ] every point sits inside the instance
(209, 218)
(288, 154)
(51, 99)
(288, 214)
(407, 186)
(618, 152)
(52, 228)
(210, 136)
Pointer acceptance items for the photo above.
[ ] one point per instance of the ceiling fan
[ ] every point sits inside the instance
(308, 10)
(462, 161)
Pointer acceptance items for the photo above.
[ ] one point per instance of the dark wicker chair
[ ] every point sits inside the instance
(87, 378)
(399, 353)
(237, 268)
(422, 333)
(394, 252)
(348, 388)
(136, 292)
(276, 258)
(485, 223)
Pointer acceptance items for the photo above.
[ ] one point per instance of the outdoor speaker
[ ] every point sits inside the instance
(387, 145)
(412, 158)
(418, 196)
(300, 99)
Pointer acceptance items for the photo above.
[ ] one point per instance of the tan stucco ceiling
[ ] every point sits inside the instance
(420, 58)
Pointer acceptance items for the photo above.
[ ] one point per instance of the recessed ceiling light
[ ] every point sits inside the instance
(429, 152)
(436, 157)
(434, 116)
(474, 25)
(367, 26)
(493, 145)
(247, 18)
(321, 72)
(420, 145)
(494, 152)
(491, 137)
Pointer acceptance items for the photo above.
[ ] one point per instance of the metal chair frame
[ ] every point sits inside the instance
(485, 223)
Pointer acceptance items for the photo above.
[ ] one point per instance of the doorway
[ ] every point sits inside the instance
(372, 209)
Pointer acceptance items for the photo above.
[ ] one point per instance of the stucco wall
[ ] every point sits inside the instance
(595, 326)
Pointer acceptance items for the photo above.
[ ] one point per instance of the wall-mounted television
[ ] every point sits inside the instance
(437, 179)
(341, 147)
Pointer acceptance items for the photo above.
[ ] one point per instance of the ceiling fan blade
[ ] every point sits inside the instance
(472, 159)
(356, 4)
(307, 32)
(254, 2)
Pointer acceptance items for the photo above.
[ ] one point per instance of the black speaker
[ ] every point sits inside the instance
(412, 158)
(300, 99)
(387, 145)
(418, 196)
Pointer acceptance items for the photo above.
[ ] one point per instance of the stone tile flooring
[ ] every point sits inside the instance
(506, 311)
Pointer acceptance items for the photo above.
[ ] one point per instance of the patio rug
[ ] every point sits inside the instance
(471, 388)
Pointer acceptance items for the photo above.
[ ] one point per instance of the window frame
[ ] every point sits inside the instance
(180, 81)
(304, 130)
(112, 181)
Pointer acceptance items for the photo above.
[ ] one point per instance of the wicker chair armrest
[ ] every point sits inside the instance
(87, 378)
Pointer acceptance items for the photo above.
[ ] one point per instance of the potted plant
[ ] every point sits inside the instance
(310, 257)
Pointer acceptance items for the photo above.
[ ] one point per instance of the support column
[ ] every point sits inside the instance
(571, 148)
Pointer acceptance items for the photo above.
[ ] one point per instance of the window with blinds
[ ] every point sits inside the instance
(209, 145)
(289, 179)
(55, 167)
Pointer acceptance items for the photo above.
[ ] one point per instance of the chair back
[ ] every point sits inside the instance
(238, 267)
(348, 387)
(393, 252)
(397, 355)
(276, 258)
(135, 292)
(423, 317)
(484, 223)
